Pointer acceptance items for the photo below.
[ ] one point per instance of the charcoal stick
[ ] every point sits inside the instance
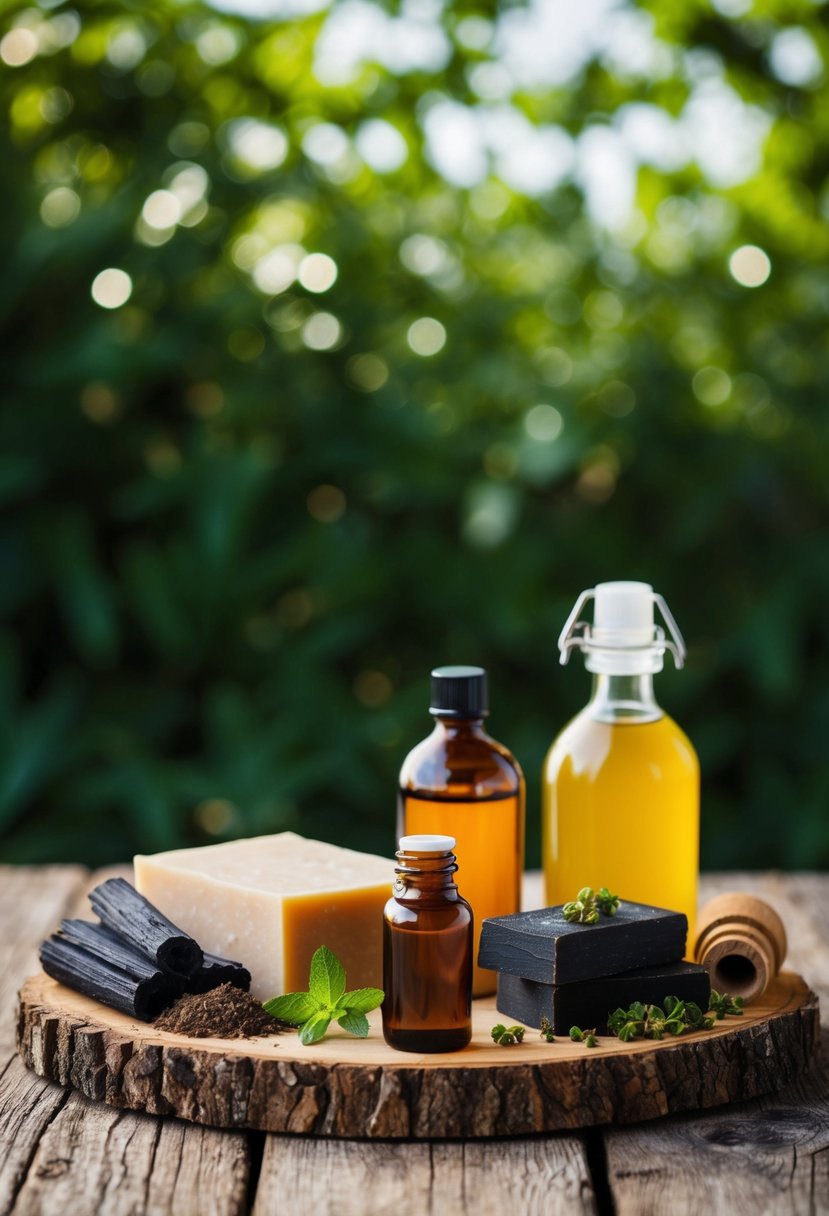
(134, 919)
(143, 997)
(218, 971)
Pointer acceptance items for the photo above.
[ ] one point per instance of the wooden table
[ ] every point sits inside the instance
(62, 1154)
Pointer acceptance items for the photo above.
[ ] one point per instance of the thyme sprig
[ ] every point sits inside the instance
(676, 1017)
(721, 1004)
(547, 1030)
(588, 904)
(507, 1036)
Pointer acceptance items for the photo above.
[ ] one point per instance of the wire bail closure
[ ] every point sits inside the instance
(577, 635)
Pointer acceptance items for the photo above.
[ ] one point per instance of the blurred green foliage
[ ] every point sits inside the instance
(243, 516)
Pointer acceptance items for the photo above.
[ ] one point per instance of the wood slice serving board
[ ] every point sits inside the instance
(361, 1088)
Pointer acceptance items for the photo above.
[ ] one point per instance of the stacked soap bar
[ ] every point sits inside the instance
(575, 974)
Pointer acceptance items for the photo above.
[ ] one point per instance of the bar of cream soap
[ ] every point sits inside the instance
(270, 901)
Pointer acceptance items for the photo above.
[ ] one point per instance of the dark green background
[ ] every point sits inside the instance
(188, 653)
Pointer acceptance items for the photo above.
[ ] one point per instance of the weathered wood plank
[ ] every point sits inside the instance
(94, 1159)
(32, 899)
(770, 1155)
(548, 1176)
(62, 1154)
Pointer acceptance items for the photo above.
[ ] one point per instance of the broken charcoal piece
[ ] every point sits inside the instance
(543, 946)
(216, 971)
(589, 1002)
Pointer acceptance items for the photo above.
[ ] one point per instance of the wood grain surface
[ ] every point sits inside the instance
(705, 1163)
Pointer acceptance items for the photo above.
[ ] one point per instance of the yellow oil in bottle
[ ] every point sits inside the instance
(620, 786)
(621, 809)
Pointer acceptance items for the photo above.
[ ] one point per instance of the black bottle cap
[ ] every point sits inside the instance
(459, 692)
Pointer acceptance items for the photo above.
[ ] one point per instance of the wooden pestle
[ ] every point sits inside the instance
(741, 943)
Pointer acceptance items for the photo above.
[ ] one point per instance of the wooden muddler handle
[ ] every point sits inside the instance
(741, 944)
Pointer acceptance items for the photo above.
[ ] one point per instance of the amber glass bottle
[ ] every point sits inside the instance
(427, 951)
(460, 781)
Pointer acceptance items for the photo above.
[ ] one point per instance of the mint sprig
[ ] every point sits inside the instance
(326, 1001)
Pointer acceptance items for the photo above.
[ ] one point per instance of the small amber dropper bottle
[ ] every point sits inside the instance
(427, 951)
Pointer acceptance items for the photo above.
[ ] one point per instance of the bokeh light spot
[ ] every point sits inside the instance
(750, 265)
(256, 144)
(373, 689)
(381, 145)
(218, 44)
(277, 270)
(215, 815)
(543, 423)
(321, 331)
(163, 457)
(161, 210)
(367, 372)
(712, 386)
(426, 336)
(111, 288)
(204, 398)
(325, 143)
(326, 504)
(18, 47)
(616, 399)
(295, 608)
(60, 207)
(99, 402)
(127, 47)
(317, 272)
(423, 255)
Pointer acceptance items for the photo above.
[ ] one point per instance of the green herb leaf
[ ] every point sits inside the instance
(327, 981)
(315, 1028)
(293, 1008)
(326, 1001)
(587, 905)
(354, 1023)
(361, 1000)
(506, 1036)
(652, 1022)
(576, 1034)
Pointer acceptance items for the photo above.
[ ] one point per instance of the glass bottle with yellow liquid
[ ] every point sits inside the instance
(460, 782)
(620, 786)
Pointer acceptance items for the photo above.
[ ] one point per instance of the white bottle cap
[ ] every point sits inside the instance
(623, 614)
(427, 844)
(623, 630)
(623, 638)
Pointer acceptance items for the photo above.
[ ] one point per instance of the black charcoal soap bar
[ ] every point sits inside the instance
(587, 1004)
(543, 946)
